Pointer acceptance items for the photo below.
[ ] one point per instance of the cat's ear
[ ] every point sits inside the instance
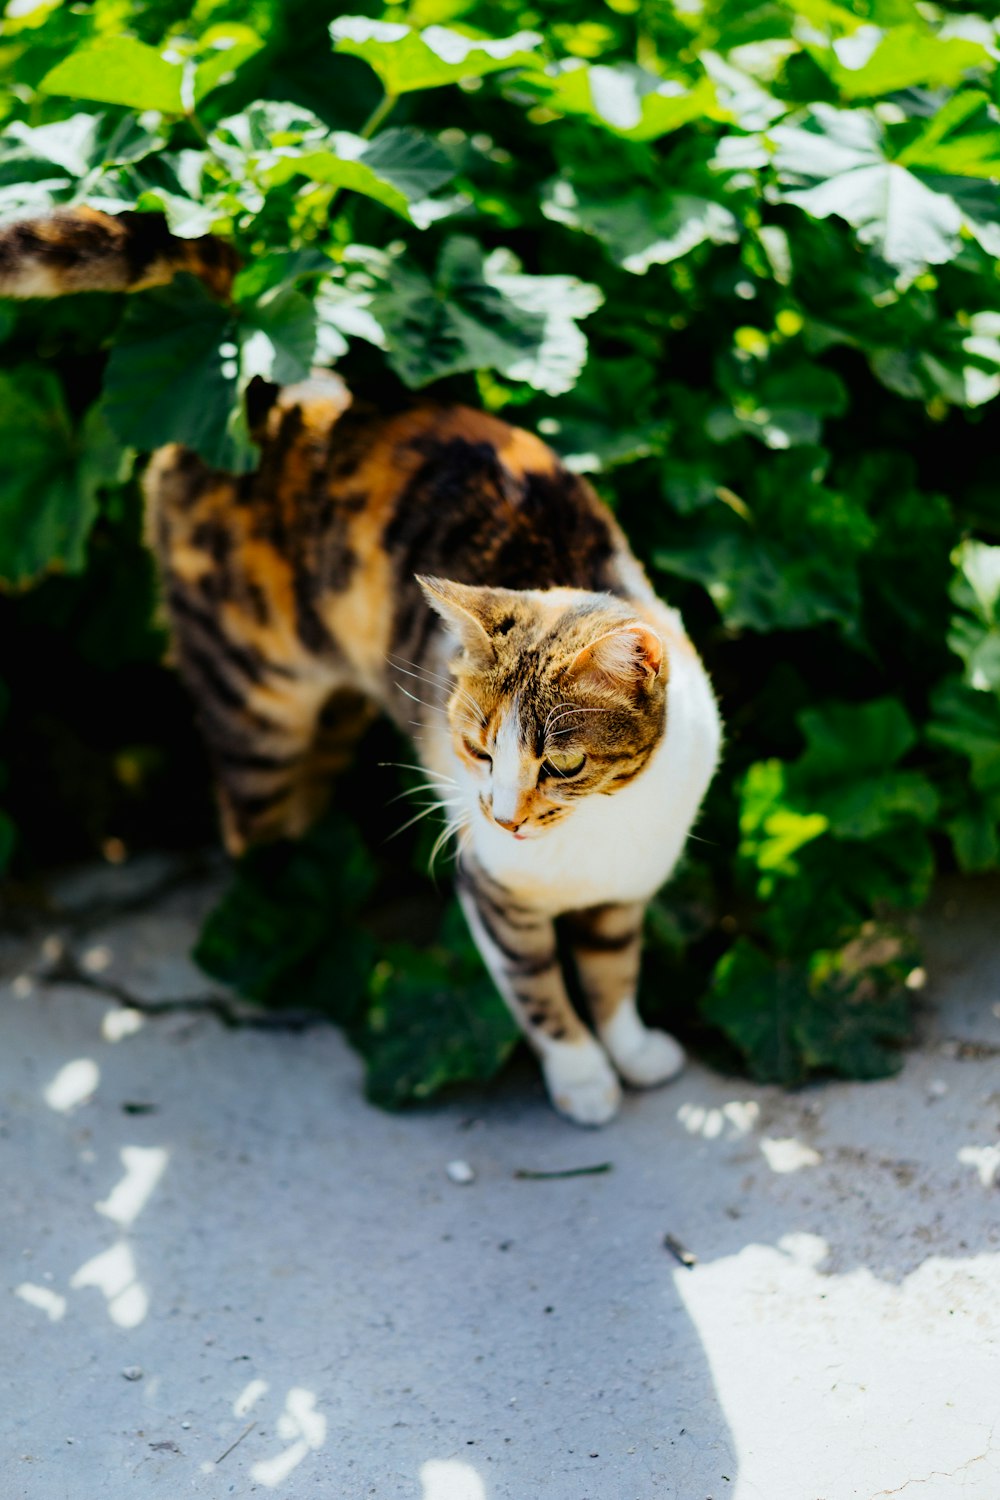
(628, 658)
(465, 610)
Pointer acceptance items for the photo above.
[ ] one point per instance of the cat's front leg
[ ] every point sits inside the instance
(518, 947)
(606, 942)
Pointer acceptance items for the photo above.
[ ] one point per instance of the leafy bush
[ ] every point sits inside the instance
(738, 263)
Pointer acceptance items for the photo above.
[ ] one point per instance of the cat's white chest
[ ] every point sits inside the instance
(619, 848)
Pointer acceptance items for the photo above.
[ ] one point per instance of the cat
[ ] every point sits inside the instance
(446, 568)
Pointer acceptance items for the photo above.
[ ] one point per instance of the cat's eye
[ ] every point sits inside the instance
(478, 752)
(563, 763)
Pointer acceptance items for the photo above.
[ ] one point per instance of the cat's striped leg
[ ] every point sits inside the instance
(606, 942)
(259, 719)
(518, 947)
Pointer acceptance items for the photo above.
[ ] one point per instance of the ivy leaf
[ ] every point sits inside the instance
(434, 1019)
(479, 313)
(50, 477)
(119, 70)
(627, 100)
(285, 934)
(642, 229)
(841, 1013)
(406, 59)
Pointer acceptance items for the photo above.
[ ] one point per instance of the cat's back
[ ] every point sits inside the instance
(320, 546)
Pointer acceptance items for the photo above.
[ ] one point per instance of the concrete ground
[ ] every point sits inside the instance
(225, 1274)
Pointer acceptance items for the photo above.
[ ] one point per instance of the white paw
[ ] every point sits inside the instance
(582, 1085)
(651, 1059)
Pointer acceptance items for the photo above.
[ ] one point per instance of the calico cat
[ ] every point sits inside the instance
(446, 568)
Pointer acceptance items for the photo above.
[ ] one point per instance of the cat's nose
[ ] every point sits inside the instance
(511, 824)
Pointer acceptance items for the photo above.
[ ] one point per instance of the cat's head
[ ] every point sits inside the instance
(559, 695)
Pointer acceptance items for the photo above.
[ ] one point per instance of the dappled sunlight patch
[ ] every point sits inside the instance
(985, 1159)
(144, 1166)
(249, 1396)
(303, 1427)
(44, 1298)
(114, 1274)
(73, 1085)
(729, 1121)
(849, 1379)
(121, 1021)
(450, 1479)
(788, 1154)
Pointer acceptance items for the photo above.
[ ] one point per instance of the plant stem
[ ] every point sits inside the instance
(377, 115)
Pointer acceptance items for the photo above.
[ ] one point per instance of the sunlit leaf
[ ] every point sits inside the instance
(406, 59)
(119, 70)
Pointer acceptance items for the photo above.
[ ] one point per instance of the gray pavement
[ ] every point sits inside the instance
(224, 1273)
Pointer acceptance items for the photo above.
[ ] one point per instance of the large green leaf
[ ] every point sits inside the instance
(62, 162)
(628, 100)
(50, 476)
(407, 59)
(841, 1013)
(397, 168)
(841, 162)
(434, 1019)
(975, 629)
(119, 70)
(478, 313)
(286, 935)
(642, 229)
(849, 772)
(182, 362)
(872, 62)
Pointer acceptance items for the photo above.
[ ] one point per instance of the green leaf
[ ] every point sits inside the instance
(962, 138)
(397, 168)
(840, 162)
(173, 376)
(642, 229)
(975, 630)
(607, 420)
(64, 161)
(784, 410)
(182, 362)
(870, 63)
(962, 366)
(848, 770)
(50, 476)
(434, 1019)
(119, 70)
(627, 100)
(285, 933)
(223, 50)
(406, 59)
(841, 1013)
(967, 722)
(788, 560)
(477, 314)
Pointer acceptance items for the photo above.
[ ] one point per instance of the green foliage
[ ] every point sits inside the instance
(739, 264)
